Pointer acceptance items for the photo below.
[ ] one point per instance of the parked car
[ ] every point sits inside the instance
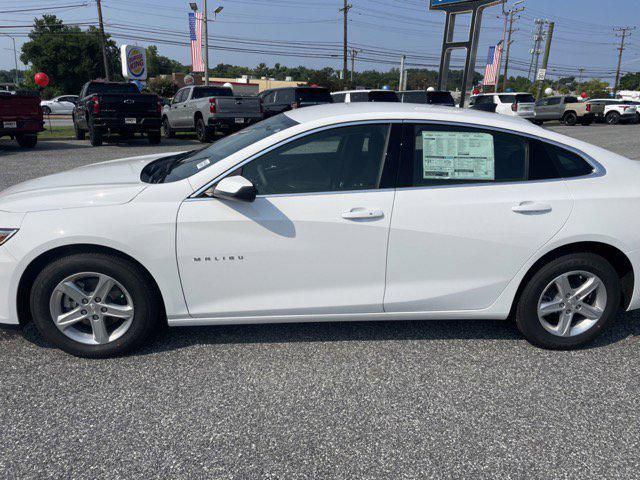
(512, 104)
(279, 100)
(354, 96)
(115, 107)
(427, 97)
(567, 109)
(21, 117)
(59, 105)
(205, 110)
(616, 111)
(290, 220)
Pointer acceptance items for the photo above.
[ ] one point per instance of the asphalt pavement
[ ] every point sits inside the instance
(387, 400)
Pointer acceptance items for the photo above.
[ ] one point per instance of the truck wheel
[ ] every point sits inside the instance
(166, 128)
(27, 140)
(78, 131)
(570, 119)
(612, 118)
(154, 137)
(202, 131)
(95, 136)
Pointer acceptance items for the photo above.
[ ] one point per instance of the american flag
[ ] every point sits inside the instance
(195, 35)
(493, 60)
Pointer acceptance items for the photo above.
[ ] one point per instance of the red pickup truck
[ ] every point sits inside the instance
(21, 117)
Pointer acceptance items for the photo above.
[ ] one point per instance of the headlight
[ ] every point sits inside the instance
(6, 234)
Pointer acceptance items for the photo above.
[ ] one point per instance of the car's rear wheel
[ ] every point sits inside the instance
(568, 302)
(570, 119)
(154, 137)
(94, 305)
(95, 136)
(27, 140)
(78, 131)
(612, 118)
(203, 132)
(166, 128)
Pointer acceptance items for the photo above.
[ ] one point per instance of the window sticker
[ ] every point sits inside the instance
(203, 164)
(458, 156)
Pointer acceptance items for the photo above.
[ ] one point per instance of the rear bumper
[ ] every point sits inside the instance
(29, 125)
(141, 125)
(231, 123)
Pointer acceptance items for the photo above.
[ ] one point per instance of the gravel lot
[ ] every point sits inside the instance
(320, 401)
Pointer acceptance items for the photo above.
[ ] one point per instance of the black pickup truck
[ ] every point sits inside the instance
(114, 107)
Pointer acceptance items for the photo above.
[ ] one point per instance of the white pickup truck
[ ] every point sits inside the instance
(208, 109)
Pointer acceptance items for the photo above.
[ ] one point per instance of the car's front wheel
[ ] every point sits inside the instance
(94, 305)
(46, 110)
(568, 302)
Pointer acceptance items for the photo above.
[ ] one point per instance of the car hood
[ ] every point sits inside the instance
(108, 183)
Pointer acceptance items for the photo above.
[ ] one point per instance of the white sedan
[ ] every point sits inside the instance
(337, 212)
(59, 105)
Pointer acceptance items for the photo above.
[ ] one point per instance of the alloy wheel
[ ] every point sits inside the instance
(91, 308)
(572, 303)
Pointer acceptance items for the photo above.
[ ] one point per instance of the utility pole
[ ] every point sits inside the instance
(345, 11)
(545, 59)
(625, 32)
(103, 43)
(402, 73)
(512, 13)
(206, 43)
(354, 53)
(15, 57)
(538, 36)
(581, 70)
(505, 14)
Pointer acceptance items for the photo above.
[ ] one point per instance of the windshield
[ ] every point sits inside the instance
(179, 167)
(521, 98)
(117, 88)
(313, 95)
(383, 97)
(203, 92)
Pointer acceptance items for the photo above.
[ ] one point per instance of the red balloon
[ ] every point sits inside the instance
(314, 85)
(476, 91)
(41, 79)
(584, 95)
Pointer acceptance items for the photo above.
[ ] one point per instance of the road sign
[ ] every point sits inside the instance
(460, 5)
(542, 74)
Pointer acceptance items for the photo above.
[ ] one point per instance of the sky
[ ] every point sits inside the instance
(309, 32)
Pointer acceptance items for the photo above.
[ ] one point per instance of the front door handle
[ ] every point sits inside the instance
(361, 213)
(531, 207)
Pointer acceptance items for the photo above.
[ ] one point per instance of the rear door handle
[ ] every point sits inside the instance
(531, 207)
(360, 213)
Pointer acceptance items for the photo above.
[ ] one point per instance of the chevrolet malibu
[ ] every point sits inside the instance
(329, 213)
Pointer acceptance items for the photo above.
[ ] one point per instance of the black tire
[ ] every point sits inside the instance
(46, 110)
(166, 128)
(27, 140)
(154, 137)
(95, 136)
(80, 134)
(538, 122)
(203, 132)
(527, 307)
(612, 118)
(146, 319)
(570, 119)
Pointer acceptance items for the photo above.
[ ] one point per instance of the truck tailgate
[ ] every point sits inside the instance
(17, 106)
(238, 107)
(125, 105)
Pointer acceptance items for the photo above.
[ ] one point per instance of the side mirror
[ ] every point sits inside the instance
(235, 188)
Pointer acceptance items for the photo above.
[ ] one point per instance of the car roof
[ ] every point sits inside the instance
(363, 91)
(362, 111)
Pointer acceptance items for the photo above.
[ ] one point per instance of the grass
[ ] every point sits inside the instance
(56, 132)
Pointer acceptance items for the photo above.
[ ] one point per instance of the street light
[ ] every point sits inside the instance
(15, 57)
(194, 6)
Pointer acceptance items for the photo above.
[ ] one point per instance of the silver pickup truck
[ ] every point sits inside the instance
(205, 110)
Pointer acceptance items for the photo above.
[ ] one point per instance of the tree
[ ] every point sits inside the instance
(630, 81)
(160, 65)
(68, 55)
(162, 86)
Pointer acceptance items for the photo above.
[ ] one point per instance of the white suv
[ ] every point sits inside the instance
(616, 111)
(513, 104)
